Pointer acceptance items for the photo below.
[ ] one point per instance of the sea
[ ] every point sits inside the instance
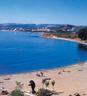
(28, 51)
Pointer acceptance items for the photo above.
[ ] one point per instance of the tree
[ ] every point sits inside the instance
(82, 34)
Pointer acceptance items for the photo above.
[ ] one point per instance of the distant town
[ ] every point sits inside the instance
(39, 27)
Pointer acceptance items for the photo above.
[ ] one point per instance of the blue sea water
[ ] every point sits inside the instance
(27, 51)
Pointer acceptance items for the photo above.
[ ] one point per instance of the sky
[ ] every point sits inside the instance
(44, 11)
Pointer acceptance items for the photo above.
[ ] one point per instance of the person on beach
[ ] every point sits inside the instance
(32, 84)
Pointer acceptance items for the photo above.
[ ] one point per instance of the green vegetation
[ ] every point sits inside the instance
(66, 35)
(17, 91)
(18, 85)
(83, 33)
(44, 92)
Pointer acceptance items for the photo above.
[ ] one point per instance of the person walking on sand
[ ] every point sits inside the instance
(32, 84)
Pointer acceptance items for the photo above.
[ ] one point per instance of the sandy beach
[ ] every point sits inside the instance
(71, 40)
(77, 40)
(68, 80)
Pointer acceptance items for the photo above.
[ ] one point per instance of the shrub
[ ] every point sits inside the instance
(16, 93)
(44, 92)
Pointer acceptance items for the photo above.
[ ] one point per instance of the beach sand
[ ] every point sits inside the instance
(77, 40)
(68, 80)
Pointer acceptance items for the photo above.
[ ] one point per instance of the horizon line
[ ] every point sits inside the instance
(45, 23)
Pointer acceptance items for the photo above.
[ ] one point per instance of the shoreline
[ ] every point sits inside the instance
(34, 71)
(66, 39)
(55, 37)
(71, 40)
